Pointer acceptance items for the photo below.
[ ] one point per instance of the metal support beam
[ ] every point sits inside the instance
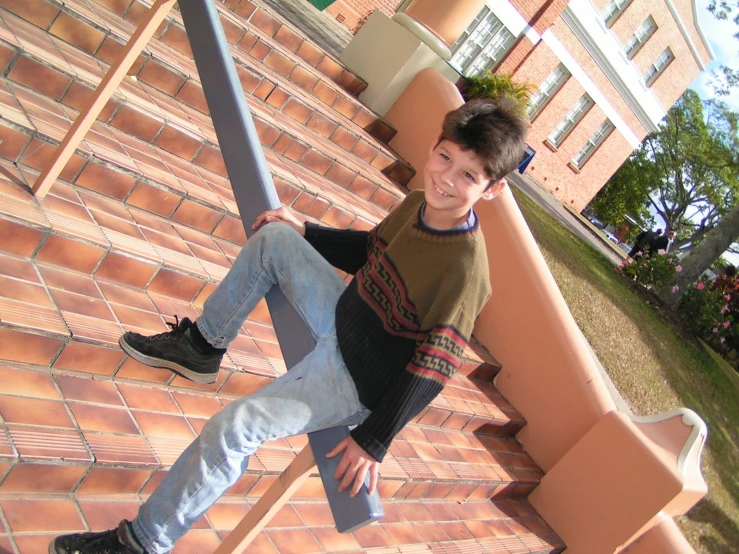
(254, 191)
(101, 95)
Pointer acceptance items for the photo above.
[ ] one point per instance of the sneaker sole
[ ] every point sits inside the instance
(151, 361)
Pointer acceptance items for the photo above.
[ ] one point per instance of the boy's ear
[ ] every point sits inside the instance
(495, 189)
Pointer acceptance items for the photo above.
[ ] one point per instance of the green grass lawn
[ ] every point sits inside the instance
(654, 369)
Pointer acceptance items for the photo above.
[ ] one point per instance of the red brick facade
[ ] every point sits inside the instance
(350, 12)
(532, 62)
(540, 14)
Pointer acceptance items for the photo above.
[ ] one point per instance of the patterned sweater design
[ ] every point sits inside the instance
(404, 321)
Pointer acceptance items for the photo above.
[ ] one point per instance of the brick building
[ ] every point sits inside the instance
(607, 71)
(351, 12)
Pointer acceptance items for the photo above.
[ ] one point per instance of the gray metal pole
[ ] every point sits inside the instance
(255, 192)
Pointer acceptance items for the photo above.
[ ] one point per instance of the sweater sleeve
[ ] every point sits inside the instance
(436, 360)
(345, 249)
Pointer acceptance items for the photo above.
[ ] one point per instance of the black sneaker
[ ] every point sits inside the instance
(115, 541)
(174, 351)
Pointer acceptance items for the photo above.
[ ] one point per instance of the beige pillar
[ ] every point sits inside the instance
(439, 23)
(388, 53)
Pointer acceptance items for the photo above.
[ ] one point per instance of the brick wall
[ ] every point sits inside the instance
(540, 14)
(350, 12)
(551, 168)
(685, 9)
(533, 63)
(670, 85)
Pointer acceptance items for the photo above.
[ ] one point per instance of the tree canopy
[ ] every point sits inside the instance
(725, 78)
(687, 172)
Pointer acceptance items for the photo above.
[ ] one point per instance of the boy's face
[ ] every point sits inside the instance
(454, 179)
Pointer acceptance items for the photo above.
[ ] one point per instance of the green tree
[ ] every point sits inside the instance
(626, 193)
(725, 78)
(686, 172)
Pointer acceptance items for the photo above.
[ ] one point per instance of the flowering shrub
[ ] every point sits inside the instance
(729, 287)
(652, 270)
(707, 311)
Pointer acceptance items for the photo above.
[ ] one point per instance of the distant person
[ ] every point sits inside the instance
(664, 242)
(643, 243)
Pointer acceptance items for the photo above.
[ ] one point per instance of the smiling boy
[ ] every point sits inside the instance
(386, 344)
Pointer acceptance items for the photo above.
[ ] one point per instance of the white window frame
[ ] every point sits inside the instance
(570, 120)
(548, 88)
(640, 37)
(479, 49)
(613, 11)
(658, 67)
(600, 135)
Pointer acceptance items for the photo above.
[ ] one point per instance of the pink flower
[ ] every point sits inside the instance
(727, 297)
(661, 252)
(723, 339)
(725, 309)
(640, 253)
(675, 289)
(679, 268)
(700, 286)
(715, 329)
(726, 324)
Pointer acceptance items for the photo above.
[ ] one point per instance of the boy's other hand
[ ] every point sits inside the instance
(354, 465)
(281, 214)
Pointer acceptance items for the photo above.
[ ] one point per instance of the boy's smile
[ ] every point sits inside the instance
(454, 180)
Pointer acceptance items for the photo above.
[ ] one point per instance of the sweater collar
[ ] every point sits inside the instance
(466, 229)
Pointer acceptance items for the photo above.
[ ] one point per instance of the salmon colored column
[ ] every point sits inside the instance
(442, 19)
(611, 480)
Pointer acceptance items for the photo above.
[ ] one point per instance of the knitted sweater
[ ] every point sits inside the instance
(404, 321)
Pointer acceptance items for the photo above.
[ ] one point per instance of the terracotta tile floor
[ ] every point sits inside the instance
(301, 526)
(142, 226)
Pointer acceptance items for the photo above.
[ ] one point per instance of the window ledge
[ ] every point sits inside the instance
(573, 167)
(551, 145)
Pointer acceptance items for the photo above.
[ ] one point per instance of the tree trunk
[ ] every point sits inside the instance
(714, 243)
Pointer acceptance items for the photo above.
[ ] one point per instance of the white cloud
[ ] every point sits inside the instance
(720, 35)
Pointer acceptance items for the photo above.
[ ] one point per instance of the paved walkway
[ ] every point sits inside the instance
(555, 207)
(321, 28)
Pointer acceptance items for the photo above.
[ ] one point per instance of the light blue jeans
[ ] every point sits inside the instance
(315, 394)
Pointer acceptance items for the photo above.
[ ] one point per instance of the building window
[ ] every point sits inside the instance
(659, 65)
(641, 36)
(592, 145)
(547, 90)
(482, 45)
(578, 111)
(613, 10)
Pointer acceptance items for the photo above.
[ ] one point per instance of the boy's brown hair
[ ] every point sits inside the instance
(494, 131)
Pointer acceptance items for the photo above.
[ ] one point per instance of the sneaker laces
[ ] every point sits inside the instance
(107, 544)
(101, 543)
(177, 330)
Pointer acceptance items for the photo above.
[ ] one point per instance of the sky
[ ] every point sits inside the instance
(725, 47)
